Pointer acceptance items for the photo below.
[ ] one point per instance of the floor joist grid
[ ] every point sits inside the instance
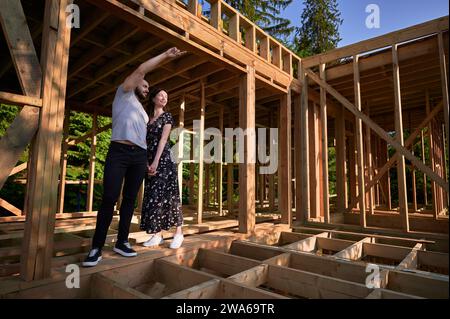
(311, 264)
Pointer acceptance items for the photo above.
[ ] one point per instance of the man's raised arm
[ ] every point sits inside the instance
(135, 78)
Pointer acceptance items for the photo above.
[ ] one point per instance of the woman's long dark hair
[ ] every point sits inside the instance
(151, 105)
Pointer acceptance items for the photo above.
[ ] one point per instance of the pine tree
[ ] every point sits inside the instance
(266, 14)
(319, 31)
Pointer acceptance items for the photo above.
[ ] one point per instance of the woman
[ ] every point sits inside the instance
(161, 207)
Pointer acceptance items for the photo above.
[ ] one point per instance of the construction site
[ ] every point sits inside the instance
(380, 105)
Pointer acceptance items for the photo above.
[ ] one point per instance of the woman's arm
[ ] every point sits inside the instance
(162, 143)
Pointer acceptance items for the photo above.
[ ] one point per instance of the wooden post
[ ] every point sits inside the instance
(285, 198)
(230, 171)
(369, 163)
(444, 80)
(324, 121)
(191, 172)
(314, 160)
(341, 201)
(201, 157)
(431, 151)
(305, 189)
(216, 14)
(220, 165)
(353, 181)
(359, 144)
(425, 196)
(272, 176)
(414, 188)
(63, 163)
(37, 244)
(207, 186)
(401, 173)
(91, 182)
(181, 147)
(247, 169)
(444, 164)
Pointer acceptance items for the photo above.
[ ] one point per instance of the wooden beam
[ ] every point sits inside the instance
(28, 70)
(285, 196)
(414, 32)
(9, 207)
(18, 169)
(219, 175)
(247, 218)
(41, 205)
(20, 100)
(359, 144)
(377, 129)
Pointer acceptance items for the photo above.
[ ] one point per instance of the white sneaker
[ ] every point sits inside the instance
(155, 240)
(177, 241)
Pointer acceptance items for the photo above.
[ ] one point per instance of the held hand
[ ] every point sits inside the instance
(174, 53)
(152, 168)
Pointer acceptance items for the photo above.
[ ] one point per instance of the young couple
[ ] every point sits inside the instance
(139, 149)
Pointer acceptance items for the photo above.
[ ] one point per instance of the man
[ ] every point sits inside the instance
(126, 161)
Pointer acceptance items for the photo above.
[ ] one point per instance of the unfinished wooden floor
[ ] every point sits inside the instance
(307, 263)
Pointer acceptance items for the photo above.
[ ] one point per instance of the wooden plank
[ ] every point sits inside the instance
(410, 261)
(252, 277)
(247, 190)
(310, 285)
(92, 158)
(359, 143)
(20, 100)
(341, 200)
(401, 167)
(28, 70)
(201, 154)
(18, 169)
(299, 214)
(307, 244)
(425, 193)
(63, 164)
(38, 237)
(220, 165)
(223, 263)
(416, 31)
(377, 129)
(181, 146)
(355, 251)
(418, 285)
(314, 161)
(285, 196)
(9, 207)
(205, 290)
(324, 126)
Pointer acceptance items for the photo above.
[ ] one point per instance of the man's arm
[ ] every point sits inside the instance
(133, 80)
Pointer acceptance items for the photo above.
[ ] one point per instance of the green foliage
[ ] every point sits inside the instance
(319, 31)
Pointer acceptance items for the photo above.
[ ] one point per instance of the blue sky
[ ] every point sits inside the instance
(395, 15)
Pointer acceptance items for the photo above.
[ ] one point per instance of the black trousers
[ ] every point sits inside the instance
(127, 162)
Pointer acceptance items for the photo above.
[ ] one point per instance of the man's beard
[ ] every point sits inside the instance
(139, 94)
